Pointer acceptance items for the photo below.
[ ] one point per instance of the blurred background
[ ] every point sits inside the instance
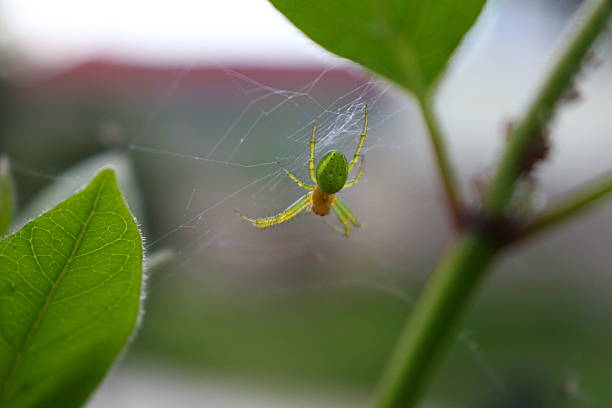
(195, 102)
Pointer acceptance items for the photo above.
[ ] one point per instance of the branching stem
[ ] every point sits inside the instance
(590, 20)
(453, 284)
(579, 201)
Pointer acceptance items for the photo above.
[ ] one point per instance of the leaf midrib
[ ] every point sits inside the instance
(22, 350)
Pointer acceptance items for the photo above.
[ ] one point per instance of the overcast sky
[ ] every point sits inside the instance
(163, 30)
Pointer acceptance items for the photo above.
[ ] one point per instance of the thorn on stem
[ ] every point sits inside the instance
(572, 94)
(536, 152)
(593, 60)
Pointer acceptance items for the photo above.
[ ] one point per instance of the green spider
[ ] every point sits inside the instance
(330, 177)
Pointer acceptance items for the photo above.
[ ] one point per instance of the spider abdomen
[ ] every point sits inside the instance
(322, 202)
(332, 172)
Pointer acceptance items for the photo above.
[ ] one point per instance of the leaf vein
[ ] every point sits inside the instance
(17, 361)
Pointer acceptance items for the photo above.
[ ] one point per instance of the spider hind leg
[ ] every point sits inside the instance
(344, 215)
(345, 223)
(346, 211)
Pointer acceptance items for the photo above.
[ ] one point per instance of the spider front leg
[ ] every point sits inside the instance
(311, 159)
(359, 174)
(362, 137)
(294, 209)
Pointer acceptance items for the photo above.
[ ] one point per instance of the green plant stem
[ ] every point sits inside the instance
(447, 174)
(439, 308)
(453, 284)
(579, 201)
(590, 20)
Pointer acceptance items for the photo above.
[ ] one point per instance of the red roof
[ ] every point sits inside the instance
(104, 76)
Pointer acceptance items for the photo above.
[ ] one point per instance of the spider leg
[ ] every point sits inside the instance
(347, 227)
(341, 205)
(359, 174)
(311, 159)
(294, 178)
(291, 211)
(362, 137)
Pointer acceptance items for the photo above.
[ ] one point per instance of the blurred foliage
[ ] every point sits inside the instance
(73, 178)
(511, 352)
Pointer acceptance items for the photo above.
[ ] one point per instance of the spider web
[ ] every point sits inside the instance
(395, 198)
(251, 152)
(223, 151)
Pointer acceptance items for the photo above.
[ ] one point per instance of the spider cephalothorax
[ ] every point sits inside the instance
(329, 178)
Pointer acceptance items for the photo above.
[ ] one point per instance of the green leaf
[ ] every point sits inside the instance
(407, 41)
(76, 176)
(7, 196)
(70, 285)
